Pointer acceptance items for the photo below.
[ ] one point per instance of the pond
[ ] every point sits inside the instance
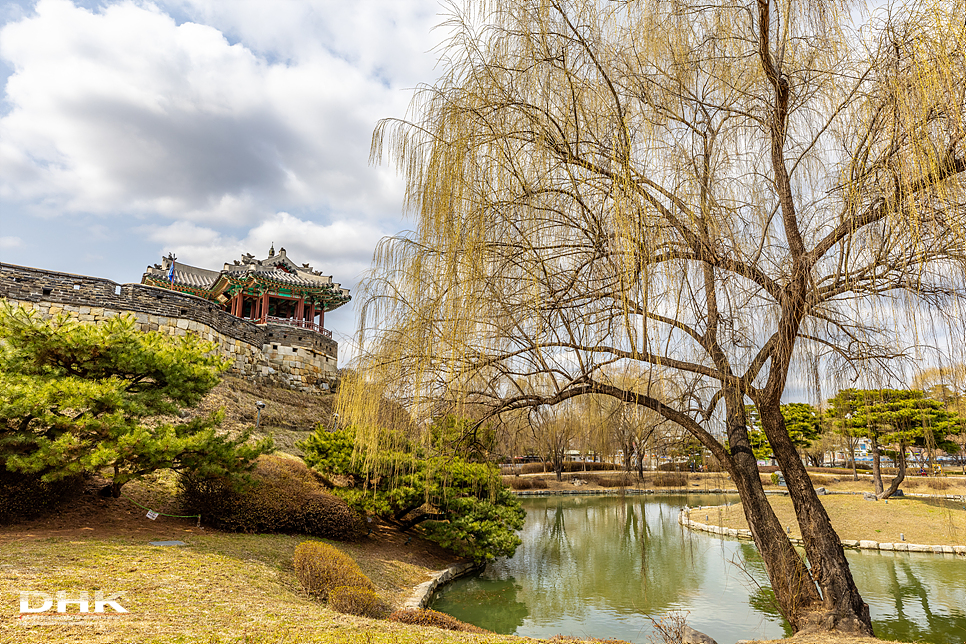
(605, 566)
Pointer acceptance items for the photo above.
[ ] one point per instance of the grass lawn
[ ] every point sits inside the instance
(930, 522)
(218, 588)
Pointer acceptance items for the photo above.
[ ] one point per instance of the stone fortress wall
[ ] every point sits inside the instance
(280, 354)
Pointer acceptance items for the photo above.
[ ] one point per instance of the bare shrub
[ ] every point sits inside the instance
(357, 601)
(617, 480)
(321, 568)
(937, 484)
(284, 496)
(520, 483)
(426, 617)
(533, 468)
(670, 479)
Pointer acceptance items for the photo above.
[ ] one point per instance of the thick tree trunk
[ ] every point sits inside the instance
(842, 606)
(876, 466)
(794, 589)
(897, 481)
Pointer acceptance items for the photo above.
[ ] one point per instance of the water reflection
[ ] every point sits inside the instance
(913, 596)
(598, 566)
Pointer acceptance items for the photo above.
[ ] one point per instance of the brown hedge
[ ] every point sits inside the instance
(426, 617)
(353, 600)
(283, 496)
(670, 479)
(321, 568)
(618, 480)
(521, 483)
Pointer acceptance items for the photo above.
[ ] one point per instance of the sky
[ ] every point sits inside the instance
(206, 128)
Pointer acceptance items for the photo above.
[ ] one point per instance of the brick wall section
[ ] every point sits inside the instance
(288, 356)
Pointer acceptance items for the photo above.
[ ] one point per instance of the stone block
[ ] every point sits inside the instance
(948, 550)
(866, 544)
(959, 550)
(918, 547)
(182, 324)
(886, 546)
(850, 543)
(901, 547)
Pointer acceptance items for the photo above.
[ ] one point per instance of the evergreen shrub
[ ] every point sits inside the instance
(283, 495)
(426, 617)
(321, 568)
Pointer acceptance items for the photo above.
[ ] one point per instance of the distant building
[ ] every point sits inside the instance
(266, 317)
(273, 290)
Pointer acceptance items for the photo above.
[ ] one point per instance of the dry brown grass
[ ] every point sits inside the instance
(853, 517)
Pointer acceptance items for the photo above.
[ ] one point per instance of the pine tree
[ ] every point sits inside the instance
(893, 417)
(82, 398)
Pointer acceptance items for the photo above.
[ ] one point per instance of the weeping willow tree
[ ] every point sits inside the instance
(725, 196)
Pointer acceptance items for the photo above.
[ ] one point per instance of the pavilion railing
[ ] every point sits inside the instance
(302, 324)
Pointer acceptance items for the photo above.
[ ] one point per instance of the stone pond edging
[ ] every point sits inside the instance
(422, 593)
(629, 490)
(684, 518)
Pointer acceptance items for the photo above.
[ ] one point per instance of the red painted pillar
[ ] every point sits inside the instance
(300, 309)
(264, 317)
(312, 313)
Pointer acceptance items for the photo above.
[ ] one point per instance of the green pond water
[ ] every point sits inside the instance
(604, 566)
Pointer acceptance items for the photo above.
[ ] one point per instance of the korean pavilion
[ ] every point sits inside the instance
(273, 290)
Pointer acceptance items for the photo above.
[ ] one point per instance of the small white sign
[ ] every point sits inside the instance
(152, 515)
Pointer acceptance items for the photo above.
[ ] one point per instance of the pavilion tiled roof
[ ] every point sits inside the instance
(275, 269)
(194, 277)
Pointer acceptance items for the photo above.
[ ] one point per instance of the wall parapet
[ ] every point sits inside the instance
(272, 346)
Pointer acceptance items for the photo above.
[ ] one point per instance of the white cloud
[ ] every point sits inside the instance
(126, 111)
(10, 242)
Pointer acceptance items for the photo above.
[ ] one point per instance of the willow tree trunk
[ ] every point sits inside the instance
(842, 608)
(790, 580)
